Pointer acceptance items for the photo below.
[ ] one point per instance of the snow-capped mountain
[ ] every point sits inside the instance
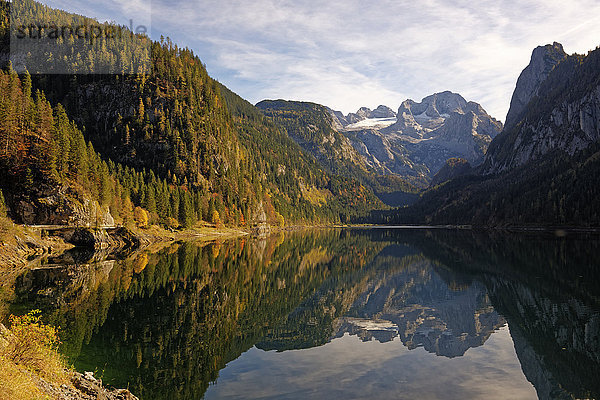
(418, 139)
(364, 114)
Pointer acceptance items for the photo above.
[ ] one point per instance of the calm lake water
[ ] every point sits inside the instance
(335, 314)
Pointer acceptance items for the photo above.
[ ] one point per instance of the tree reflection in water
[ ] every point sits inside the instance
(166, 322)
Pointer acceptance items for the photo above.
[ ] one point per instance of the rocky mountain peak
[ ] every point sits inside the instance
(422, 137)
(436, 105)
(443, 103)
(382, 112)
(363, 112)
(543, 60)
(420, 120)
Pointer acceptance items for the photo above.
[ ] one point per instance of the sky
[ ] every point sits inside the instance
(346, 54)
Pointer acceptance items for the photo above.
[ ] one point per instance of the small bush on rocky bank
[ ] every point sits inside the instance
(27, 351)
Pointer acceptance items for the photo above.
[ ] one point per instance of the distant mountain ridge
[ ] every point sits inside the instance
(362, 114)
(412, 144)
(424, 135)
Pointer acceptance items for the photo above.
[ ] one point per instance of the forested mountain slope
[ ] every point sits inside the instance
(175, 127)
(313, 127)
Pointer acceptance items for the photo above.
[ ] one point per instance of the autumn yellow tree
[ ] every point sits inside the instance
(280, 220)
(141, 217)
(216, 218)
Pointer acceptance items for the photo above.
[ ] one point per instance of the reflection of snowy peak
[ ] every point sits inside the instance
(419, 139)
(420, 308)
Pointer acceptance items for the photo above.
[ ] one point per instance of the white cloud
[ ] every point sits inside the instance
(350, 53)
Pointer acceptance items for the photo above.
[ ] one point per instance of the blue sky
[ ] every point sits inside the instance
(351, 53)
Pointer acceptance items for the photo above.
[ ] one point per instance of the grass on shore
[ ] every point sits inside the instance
(155, 233)
(29, 352)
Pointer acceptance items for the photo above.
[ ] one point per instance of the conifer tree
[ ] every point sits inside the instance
(3, 209)
(185, 209)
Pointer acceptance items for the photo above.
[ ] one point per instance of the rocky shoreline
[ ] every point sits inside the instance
(77, 386)
(83, 387)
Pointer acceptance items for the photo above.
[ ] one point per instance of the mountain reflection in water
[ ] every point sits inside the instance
(420, 307)
(511, 316)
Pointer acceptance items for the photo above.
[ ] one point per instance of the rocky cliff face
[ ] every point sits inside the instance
(59, 205)
(543, 60)
(562, 115)
(382, 112)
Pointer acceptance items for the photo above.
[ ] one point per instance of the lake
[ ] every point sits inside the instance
(336, 314)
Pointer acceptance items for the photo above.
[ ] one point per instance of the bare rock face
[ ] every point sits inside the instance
(362, 114)
(543, 60)
(562, 113)
(61, 205)
(339, 120)
(426, 134)
(571, 127)
(371, 141)
(382, 112)
(420, 119)
(113, 239)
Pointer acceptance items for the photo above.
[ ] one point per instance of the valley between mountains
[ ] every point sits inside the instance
(174, 149)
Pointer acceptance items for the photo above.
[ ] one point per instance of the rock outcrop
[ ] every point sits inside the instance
(115, 239)
(561, 115)
(92, 388)
(83, 387)
(543, 60)
(59, 205)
